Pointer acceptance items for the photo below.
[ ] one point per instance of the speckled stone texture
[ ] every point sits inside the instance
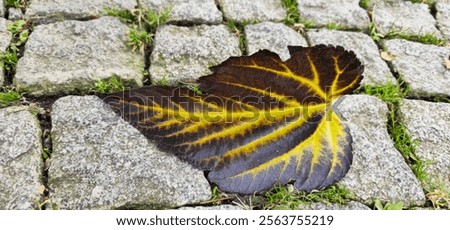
(5, 40)
(187, 11)
(429, 124)
(249, 10)
(352, 205)
(21, 163)
(185, 53)
(272, 36)
(344, 13)
(220, 207)
(443, 18)
(421, 66)
(405, 17)
(101, 162)
(376, 71)
(57, 10)
(70, 56)
(378, 171)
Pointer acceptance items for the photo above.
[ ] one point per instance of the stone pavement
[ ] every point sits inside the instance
(98, 161)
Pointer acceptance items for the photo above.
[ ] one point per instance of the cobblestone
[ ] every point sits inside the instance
(376, 71)
(246, 10)
(346, 14)
(5, 40)
(187, 11)
(272, 36)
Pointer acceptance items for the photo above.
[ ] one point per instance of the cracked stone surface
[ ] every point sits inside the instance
(5, 40)
(101, 162)
(376, 71)
(378, 171)
(272, 36)
(421, 66)
(187, 11)
(405, 17)
(21, 161)
(443, 17)
(352, 205)
(51, 10)
(71, 56)
(347, 14)
(248, 10)
(185, 53)
(429, 123)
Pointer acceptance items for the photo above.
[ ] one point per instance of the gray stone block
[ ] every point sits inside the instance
(2, 9)
(378, 171)
(186, 53)
(345, 13)
(429, 123)
(14, 14)
(220, 207)
(272, 36)
(376, 71)
(5, 40)
(67, 9)
(248, 10)
(405, 17)
(21, 163)
(187, 11)
(443, 18)
(101, 162)
(352, 205)
(421, 66)
(71, 56)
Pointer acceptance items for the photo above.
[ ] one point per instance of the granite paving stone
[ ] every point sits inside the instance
(344, 13)
(421, 66)
(5, 40)
(185, 53)
(405, 17)
(2, 9)
(187, 11)
(21, 163)
(247, 10)
(57, 10)
(99, 161)
(71, 56)
(378, 171)
(272, 36)
(14, 14)
(219, 207)
(429, 124)
(443, 18)
(376, 71)
(352, 205)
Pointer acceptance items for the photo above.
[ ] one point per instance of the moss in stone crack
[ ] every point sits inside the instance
(292, 15)
(287, 197)
(364, 4)
(125, 15)
(334, 26)
(15, 3)
(238, 30)
(388, 206)
(8, 97)
(109, 85)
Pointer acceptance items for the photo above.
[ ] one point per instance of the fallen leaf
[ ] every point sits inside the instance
(259, 122)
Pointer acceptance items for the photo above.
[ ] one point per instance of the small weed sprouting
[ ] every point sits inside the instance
(126, 15)
(139, 39)
(428, 39)
(8, 97)
(164, 81)
(110, 85)
(287, 197)
(15, 3)
(439, 198)
(153, 19)
(388, 206)
(20, 32)
(334, 26)
(292, 15)
(365, 4)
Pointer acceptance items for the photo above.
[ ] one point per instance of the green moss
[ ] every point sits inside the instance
(364, 4)
(287, 197)
(388, 206)
(429, 39)
(15, 3)
(292, 15)
(110, 85)
(8, 97)
(334, 26)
